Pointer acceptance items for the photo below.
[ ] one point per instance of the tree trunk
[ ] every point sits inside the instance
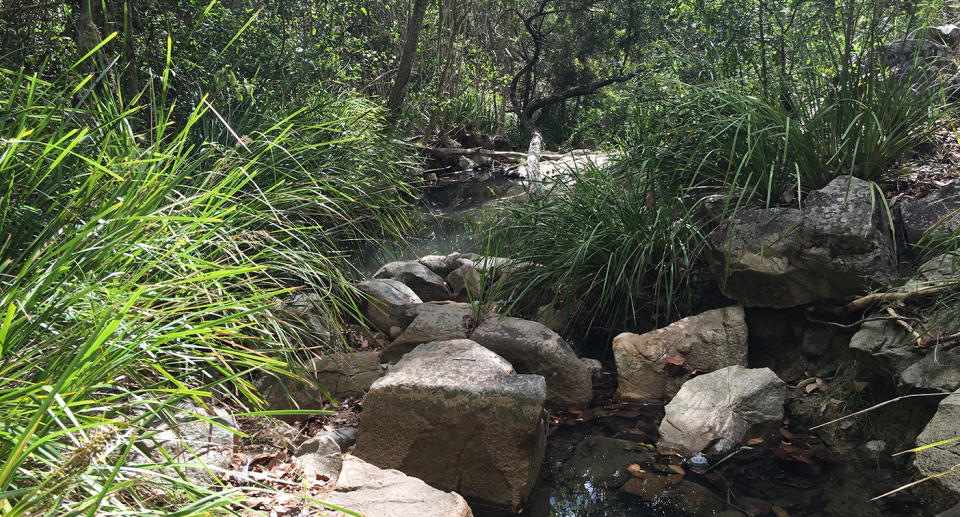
(131, 74)
(533, 156)
(399, 89)
(87, 34)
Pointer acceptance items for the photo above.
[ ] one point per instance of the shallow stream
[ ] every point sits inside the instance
(781, 471)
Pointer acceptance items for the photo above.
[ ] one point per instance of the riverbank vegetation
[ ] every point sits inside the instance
(169, 171)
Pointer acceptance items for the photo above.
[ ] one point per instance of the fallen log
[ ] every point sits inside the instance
(450, 152)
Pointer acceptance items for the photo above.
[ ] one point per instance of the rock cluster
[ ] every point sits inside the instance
(709, 341)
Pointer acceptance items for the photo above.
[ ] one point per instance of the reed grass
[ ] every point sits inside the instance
(141, 267)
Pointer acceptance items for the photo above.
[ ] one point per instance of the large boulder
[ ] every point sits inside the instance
(383, 295)
(837, 246)
(375, 492)
(457, 416)
(721, 407)
(533, 348)
(938, 213)
(428, 285)
(708, 341)
(428, 322)
(944, 425)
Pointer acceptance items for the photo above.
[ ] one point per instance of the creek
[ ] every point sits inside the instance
(781, 471)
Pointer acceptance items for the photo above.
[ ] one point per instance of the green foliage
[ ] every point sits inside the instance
(758, 149)
(615, 241)
(624, 241)
(139, 269)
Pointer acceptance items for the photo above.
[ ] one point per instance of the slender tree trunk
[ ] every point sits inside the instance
(130, 72)
(534, 152)
(412, 37)
(88, 36)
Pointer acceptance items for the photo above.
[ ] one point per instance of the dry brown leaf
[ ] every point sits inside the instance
(664, 451)
(635, 470)
(755, 441)
(675, 359)
(861, 385)
(786, 434)
(779, 511)
(678, 469)
(810, 387)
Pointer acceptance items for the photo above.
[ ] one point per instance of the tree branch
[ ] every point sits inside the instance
(578, 91)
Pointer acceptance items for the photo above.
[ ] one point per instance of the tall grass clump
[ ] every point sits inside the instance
(139, 266)
(761, 150)
(842, 97)
(620, 242)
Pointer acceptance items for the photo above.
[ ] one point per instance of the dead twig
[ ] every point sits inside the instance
(865, 302)
(871, 408)
(856, 323)
(906, 326)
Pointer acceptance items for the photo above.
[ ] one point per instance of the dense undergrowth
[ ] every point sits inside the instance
(141, 257)
(626, 242)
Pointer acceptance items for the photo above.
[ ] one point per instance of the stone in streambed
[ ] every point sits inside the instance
(383, 296)
(720, 407)
(529, 346)
(685, 497)
(426, 322)
(708, 341)
(376, 492)
(603, 461)
(428, 285)
(455, 414)
(533, 348)
(442, 265)
(465, 283)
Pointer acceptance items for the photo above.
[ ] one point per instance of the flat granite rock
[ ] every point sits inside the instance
(376, 492)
